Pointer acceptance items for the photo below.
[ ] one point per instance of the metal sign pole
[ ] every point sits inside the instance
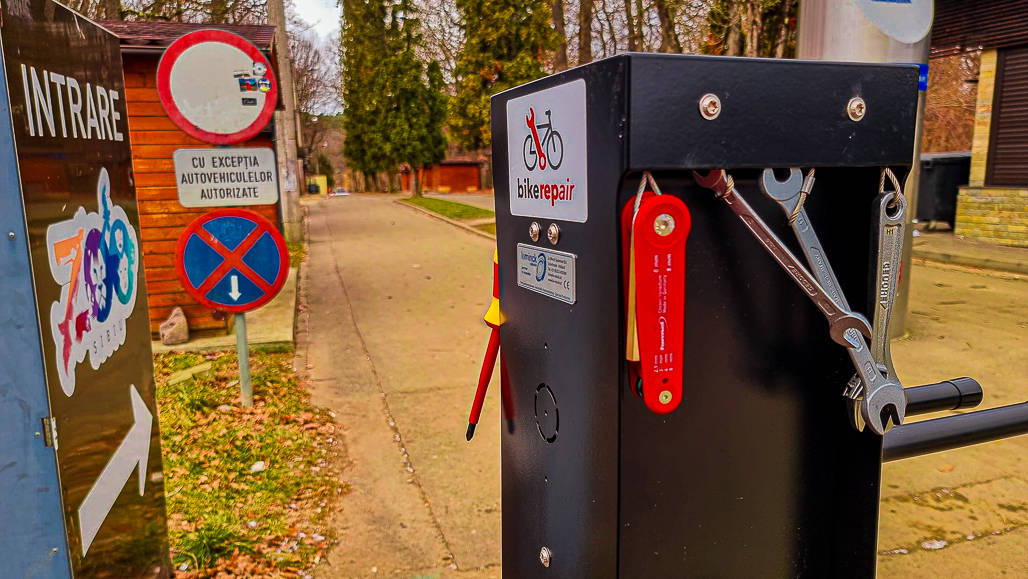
(243, 352)
(866, 31)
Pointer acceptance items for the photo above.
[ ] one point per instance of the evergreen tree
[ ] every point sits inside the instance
(414, 90)
(365, 108)
(506, 44)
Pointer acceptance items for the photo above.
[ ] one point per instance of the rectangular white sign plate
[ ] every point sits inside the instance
(226, 177)
(549, 272)
(546, 154)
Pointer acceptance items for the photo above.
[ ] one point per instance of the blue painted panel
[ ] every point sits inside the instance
(31, 521)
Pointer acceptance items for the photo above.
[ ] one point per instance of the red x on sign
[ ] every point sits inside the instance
(232, 260)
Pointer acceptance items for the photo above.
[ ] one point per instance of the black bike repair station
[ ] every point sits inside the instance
(692, 389)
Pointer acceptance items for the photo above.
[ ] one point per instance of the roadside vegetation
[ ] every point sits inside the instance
(457, 211)
(248, 489)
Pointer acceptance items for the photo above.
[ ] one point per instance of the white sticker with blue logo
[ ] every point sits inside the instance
(548, 272)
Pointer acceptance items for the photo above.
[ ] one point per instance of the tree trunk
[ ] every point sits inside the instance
(733, 39)
(112, 9)
(753, 26)
(668, 33)
(560, 58)
(630, 20)
(640, 17)
(783, 30)
(415, 182)
(585, 31)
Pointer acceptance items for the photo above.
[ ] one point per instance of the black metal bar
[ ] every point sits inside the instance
(955, 431)
(947, 395)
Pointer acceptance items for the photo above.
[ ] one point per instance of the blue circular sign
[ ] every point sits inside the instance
(232, 260)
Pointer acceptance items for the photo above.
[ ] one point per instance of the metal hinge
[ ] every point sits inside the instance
(50, 432)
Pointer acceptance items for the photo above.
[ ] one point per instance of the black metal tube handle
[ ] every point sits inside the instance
(955, 431)
(946, 395)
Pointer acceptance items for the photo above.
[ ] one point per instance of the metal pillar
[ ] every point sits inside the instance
(842, 30)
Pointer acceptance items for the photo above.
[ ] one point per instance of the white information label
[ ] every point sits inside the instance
(226, 177)
(549, 272)
(546, 153)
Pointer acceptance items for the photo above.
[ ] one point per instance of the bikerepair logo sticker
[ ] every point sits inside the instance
(546, 148)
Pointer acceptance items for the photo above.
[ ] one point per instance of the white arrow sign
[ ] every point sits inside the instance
(234, 294)
(133, 450)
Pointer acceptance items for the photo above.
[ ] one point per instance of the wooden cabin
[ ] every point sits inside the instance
(154, 139)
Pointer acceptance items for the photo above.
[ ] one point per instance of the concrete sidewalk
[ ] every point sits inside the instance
(947, 247)
(391, 337)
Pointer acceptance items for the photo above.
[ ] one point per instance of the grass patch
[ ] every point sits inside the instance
(225, 512)
(297, 251)
(489, 228)
(450, 209)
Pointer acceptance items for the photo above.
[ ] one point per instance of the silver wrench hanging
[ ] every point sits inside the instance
(889, 401)
(884, 399)
(789, 195)
(840, 320)
(891, 222)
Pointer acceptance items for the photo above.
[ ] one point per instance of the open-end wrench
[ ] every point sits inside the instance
(788, 194)
(840, 320)
(886, 397)
(890, 252)
(889, 398)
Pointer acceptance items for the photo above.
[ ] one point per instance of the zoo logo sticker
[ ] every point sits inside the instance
(94, 257)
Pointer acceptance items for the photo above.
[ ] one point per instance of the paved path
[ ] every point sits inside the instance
(392, 336)
(962, 322)
(393, 339)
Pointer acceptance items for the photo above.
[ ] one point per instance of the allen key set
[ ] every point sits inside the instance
(674, 404)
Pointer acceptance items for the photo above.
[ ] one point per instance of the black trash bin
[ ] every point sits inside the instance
(942, 175)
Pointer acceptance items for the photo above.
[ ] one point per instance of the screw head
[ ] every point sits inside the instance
(710, 106)
(856, 109)
(664, 224)
(11, 235)
(534, 230)
(553, 233)
(665, 397)
(545, 556)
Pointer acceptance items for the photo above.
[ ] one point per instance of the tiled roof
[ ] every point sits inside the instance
(158, 35)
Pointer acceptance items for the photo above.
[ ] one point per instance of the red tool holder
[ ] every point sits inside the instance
(657, 233)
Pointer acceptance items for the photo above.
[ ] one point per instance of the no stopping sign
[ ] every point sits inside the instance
(216, 86)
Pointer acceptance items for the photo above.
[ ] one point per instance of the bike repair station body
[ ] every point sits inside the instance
(753, 466)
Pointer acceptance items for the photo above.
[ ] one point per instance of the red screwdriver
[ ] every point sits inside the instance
(494, 319)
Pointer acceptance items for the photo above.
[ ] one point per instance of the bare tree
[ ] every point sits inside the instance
(443, 36)
(666, 11)
(213, 11)
(560, 56)
(585, 31)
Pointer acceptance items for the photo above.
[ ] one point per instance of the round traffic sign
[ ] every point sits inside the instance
(216, 86)
(232, 260)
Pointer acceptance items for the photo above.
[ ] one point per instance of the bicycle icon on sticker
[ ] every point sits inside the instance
(549, 149)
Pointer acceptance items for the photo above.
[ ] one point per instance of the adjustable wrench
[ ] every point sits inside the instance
(840, 320)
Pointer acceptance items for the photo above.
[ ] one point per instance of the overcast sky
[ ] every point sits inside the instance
(323, 15)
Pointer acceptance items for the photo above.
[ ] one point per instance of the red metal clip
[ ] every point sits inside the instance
(659, 231)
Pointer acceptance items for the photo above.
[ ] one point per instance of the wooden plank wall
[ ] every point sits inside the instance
(154, 138)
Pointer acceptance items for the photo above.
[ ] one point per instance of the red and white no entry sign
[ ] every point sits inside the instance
(216, 86)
